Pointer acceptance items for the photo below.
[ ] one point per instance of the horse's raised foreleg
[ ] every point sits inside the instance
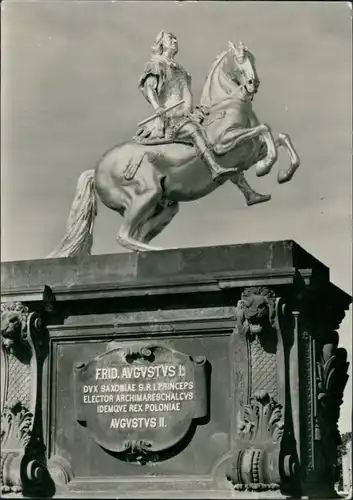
(234, 137)
(285, 175)
(251, 196)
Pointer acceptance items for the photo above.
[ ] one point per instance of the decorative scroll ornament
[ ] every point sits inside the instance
(137, 451)
(60, 470)
(22, 448)
(258, 462)
(263, 425)
(144, 353)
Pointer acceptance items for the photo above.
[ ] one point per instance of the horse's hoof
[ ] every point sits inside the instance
(262, 168)
(284, 177)
(136, 246)
(258, 198)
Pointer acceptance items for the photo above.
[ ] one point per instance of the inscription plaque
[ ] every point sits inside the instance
(140, 398)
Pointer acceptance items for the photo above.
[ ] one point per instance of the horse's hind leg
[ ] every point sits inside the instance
(164, 214)
(143, 205)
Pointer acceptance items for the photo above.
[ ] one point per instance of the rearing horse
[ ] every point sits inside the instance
(145, 183)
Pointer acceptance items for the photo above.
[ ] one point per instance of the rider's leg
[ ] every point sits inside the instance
(197, 136)
(251, 196)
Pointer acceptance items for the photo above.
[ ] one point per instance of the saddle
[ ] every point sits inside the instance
(169, 138)
(136, 160)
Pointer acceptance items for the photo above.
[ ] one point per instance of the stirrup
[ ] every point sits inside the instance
(221, 172)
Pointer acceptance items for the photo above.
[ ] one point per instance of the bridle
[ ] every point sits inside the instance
(240, 86)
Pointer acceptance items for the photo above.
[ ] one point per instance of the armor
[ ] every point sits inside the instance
(174, 85)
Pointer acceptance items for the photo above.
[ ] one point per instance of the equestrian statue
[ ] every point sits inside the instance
(181, 153)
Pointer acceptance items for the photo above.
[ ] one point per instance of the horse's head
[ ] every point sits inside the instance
(233, 74)
(242, 69)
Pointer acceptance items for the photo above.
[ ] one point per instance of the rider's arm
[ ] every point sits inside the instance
(150, 90)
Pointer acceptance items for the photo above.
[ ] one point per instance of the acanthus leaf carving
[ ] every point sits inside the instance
(262, 420)
(16, 426)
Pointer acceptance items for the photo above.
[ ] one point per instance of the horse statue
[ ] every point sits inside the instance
(145, 183)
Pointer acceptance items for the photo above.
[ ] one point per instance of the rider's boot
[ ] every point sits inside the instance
(205, 152)
(251, 196)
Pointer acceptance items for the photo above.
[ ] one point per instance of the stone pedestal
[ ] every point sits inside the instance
(195, 373)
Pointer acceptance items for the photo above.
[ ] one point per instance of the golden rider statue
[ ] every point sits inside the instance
(165, 83)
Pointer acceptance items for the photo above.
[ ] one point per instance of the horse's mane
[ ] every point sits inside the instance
(206, 99)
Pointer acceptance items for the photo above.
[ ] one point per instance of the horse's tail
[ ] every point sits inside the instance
(78, 239)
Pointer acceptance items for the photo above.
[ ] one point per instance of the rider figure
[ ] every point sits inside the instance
(164, 83)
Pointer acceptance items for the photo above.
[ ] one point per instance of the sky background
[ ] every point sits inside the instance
(69, 92)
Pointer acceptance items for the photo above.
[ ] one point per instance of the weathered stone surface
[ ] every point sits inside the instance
(24, 346)
(259, 320)
(154, 266)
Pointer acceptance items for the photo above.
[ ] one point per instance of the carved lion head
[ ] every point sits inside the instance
(255, 309)
(13, 321)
